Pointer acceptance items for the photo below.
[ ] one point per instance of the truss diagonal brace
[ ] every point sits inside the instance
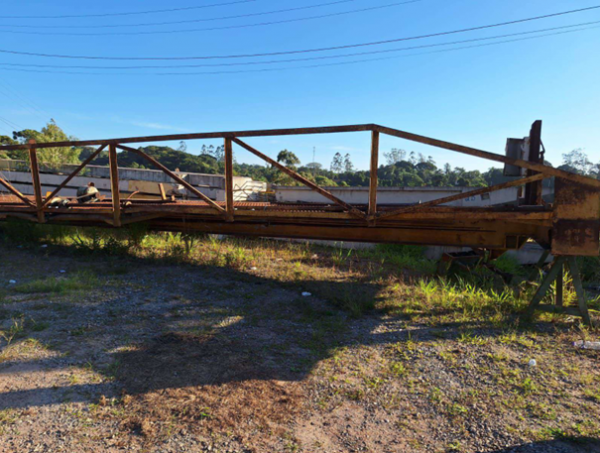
(180, 180)
(351, 210)
(461, 196)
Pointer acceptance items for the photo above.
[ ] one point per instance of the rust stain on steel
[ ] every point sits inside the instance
(576, 229)
(571, 225)
(576, 237)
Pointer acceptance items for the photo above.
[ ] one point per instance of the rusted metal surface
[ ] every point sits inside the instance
(114, 184)
(373, 179)
(462, 196)
(37, 186)
(16, 193)
(229, 179)
(181, 181)
(204, 136)
(72, 175)
(533, 190)
(545, 169)
(576, 228)
(570, 226)
(352, 210)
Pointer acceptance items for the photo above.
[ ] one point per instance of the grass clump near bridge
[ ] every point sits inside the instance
(266, 345)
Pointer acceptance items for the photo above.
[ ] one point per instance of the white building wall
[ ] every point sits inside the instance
(396, 195)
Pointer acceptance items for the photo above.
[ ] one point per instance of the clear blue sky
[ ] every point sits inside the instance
(476, 96)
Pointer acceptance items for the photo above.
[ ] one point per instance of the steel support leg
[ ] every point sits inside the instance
(583, 308)
(556, 273)
(545, 285)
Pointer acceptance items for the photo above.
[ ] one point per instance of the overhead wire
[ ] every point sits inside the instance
(130, 13)
(30, 106)
(224, 27)
(293, 60)
(305, 66)
(302, 51)
(179, 22)
(10, 123)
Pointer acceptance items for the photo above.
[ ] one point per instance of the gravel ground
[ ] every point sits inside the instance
(126, 355)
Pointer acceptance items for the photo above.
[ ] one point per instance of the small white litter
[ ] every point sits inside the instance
(587, 344)
(62, 271)
(532, 362)
(254, 268)
(306, 294)
(44, 246)
(315, 256)
(12, 282)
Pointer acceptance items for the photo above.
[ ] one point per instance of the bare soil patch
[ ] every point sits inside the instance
(138, 355)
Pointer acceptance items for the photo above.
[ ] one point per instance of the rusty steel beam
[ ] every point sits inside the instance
(114, 185)
(373, 179)
(460, 196)
(16, 193)
(229, 179)
(72, 175)
(545, 169)
(353, 211)
(202, 136)
(327, 130)
(163, 194)
(37, 186)
(174, 176)
(533, 191)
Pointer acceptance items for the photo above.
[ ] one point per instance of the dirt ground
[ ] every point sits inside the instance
(128, 356)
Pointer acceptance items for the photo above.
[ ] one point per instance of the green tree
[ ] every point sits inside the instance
(288, 158)
(348, 165)
(337, 164)
(50, 133)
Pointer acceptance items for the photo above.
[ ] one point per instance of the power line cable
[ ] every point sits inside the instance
(305, 66)
(130, 13)
(12, 95)
(10, 123)
(28, 104)
(291, 52)
(293, 60)
(8, 131)
(210, 19)
(225, 27)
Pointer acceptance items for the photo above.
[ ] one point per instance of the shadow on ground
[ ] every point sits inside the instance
(584, 445)
(214, 345)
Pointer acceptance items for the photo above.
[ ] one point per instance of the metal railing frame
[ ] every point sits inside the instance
(536, 171)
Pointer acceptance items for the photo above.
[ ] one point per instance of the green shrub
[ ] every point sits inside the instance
(510, 265)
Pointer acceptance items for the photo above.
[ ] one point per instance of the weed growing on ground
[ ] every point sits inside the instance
(16, 330)
(80, 281)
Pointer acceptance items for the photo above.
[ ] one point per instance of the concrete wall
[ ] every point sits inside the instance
(395, 195)
(245, 189)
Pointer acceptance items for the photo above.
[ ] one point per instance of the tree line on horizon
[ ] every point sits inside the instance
(401, 168)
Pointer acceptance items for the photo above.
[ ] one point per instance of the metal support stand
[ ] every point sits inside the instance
(556, 274)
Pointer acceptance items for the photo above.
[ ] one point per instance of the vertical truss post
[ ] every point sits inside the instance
(163, 194)
(229, 179)
(37, 186)
(373, 179)
(114, 184)
(533, 191)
